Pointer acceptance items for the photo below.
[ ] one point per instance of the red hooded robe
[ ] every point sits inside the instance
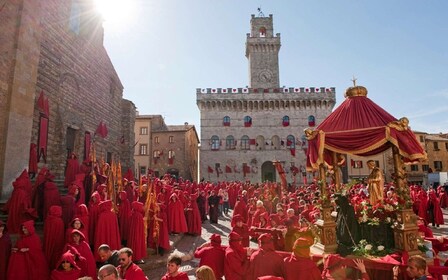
(28, 262)
(107, 230)
(88, 266)
(72, 169)
(124, 215)
(5, 251)
(176, 216)
(136, 240)
(60, 274)
(236, 263)
(54, 235)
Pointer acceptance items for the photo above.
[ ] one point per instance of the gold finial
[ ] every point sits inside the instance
(354, 81)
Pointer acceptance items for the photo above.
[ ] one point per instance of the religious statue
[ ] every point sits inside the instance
(376, 183)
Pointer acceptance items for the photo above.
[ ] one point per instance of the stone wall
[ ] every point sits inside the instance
(76, 75)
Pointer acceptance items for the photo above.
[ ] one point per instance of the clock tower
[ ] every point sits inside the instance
(262, 49)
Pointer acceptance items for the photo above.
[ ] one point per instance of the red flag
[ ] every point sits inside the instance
(251, 141)
(42, 104)
(228, 169)
(293, 152)
(101, 130)
(209, 169)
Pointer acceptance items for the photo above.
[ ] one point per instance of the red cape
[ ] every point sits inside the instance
(88, 266)
(300, 269)
(107, 231)
(5, 252)
(136, 240)
(54, 238)
(31, 264)
(176, 217)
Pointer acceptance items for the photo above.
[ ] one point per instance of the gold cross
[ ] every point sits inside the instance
(354, 81)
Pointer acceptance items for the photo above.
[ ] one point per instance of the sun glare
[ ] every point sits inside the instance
(115, 11)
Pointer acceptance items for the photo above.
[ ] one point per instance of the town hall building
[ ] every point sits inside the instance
(244, 130)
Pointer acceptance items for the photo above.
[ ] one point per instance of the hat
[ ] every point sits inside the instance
(302, 246)
(215, 238)
(233, 237)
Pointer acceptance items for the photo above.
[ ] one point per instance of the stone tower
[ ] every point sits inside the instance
(245, 129)
(262, 49)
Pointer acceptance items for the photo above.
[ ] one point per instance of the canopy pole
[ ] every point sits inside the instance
(406, 230)
(337, 175)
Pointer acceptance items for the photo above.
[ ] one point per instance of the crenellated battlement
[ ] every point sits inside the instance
(307, 90)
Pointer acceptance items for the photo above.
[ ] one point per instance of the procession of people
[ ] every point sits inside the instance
(99, 223)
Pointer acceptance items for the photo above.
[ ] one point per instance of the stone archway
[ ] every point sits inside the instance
(268, 172)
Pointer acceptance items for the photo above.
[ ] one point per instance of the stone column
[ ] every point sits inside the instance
(24, 29)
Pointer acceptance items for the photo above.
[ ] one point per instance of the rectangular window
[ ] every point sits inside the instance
(230, 144)
(245, 144)
(171, 139)
(436, 146)
(144, 130)
(156, 139)
(75, 17)
(425, 167)
(143, 149)
(422, 139)
(357, 164)
(438, 165)
(414, 167)
(142, 170)
(446, 146)
(377, 163)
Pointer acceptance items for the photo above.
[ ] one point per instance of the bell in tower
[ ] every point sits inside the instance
(262, 49)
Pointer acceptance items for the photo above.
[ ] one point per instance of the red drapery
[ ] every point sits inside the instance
(360, 127)
(87, 139)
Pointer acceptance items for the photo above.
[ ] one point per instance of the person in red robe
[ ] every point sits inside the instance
(50, 193)
(173, 273)
(19, 207)
(82, 213)
(68, 204)
(127, 269)
(66, 268)
(71, 169)
(192, 215)
(299, 265)
(76, 189)
(443, 198)
(136, 240)
(423, 205)
(54, 236)
(27, 259)
(94, 210)
(242, 229)
(160, 241)
(236, 262)
(76, 223)
(107, 231)
(435, 214)
(176, 218)
(212, 254)
(265, 261)
(240, 209)
(88, 267)
(124, 216)
(5, 249)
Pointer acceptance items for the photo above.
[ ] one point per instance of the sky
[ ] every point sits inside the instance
(163, 50)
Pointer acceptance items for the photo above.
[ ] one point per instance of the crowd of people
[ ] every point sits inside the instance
(99, 225)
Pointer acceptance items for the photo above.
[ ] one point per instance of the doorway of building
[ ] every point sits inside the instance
(268, 172)
(173, 172)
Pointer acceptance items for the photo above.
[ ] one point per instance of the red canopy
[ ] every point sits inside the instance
(361, 127)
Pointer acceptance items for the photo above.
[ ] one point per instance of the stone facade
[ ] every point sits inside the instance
(56, 47)
(165, 148)
(244, 129)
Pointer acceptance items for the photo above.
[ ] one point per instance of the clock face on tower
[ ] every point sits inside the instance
(265, 76)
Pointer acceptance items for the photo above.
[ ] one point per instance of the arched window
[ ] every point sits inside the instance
(215, 143)
(262, 32)
(260, 144)
(245, 143)
(304, 142)
(311, 121)
(285, 121)
(230, 143)
(247, 121)
(275, 142)
(290, 142)
(226, 121)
